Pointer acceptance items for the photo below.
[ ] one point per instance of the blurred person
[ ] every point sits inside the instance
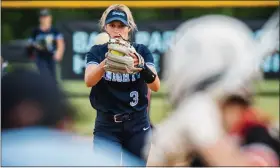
(121, 99)
(37, 125)
(250, 128)
(46, 45)
(26, 88)
(214, 57)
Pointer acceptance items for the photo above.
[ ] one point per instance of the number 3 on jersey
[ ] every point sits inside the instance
(135, 98)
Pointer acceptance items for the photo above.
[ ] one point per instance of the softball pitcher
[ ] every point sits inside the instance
(120, 74)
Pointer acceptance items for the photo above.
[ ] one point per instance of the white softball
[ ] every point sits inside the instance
(101, 38)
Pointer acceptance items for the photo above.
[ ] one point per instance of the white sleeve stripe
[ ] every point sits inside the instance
(92, 62)
(60, 36)
(151, 64)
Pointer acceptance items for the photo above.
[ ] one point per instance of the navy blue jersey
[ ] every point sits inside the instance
(119, 93)
(47, 40)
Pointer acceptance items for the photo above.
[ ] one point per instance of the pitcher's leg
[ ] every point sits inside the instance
(137, 141)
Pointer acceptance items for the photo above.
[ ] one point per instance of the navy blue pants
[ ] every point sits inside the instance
(127, 139)
(46, 67)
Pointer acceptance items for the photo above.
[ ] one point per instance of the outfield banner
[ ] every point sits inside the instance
(80, 36)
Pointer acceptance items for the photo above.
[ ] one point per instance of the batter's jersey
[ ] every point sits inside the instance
(119, 93)
(261, 148)
(47, 40)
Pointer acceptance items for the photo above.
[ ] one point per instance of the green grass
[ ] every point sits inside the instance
(78, 86)
(86, 115)
(269, 105)
(159, 105)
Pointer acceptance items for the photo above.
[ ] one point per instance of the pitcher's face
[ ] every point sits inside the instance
(117, 29)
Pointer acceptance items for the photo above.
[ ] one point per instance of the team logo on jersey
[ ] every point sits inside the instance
(117, 77)
(49, 39)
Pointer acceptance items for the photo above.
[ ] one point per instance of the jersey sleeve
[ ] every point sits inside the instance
(58, 35)
(92, 56)
(147, 55)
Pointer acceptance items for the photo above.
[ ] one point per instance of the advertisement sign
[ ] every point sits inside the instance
(80, 35)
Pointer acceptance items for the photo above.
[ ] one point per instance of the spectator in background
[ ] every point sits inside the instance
(46, 45)
(37, 124)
